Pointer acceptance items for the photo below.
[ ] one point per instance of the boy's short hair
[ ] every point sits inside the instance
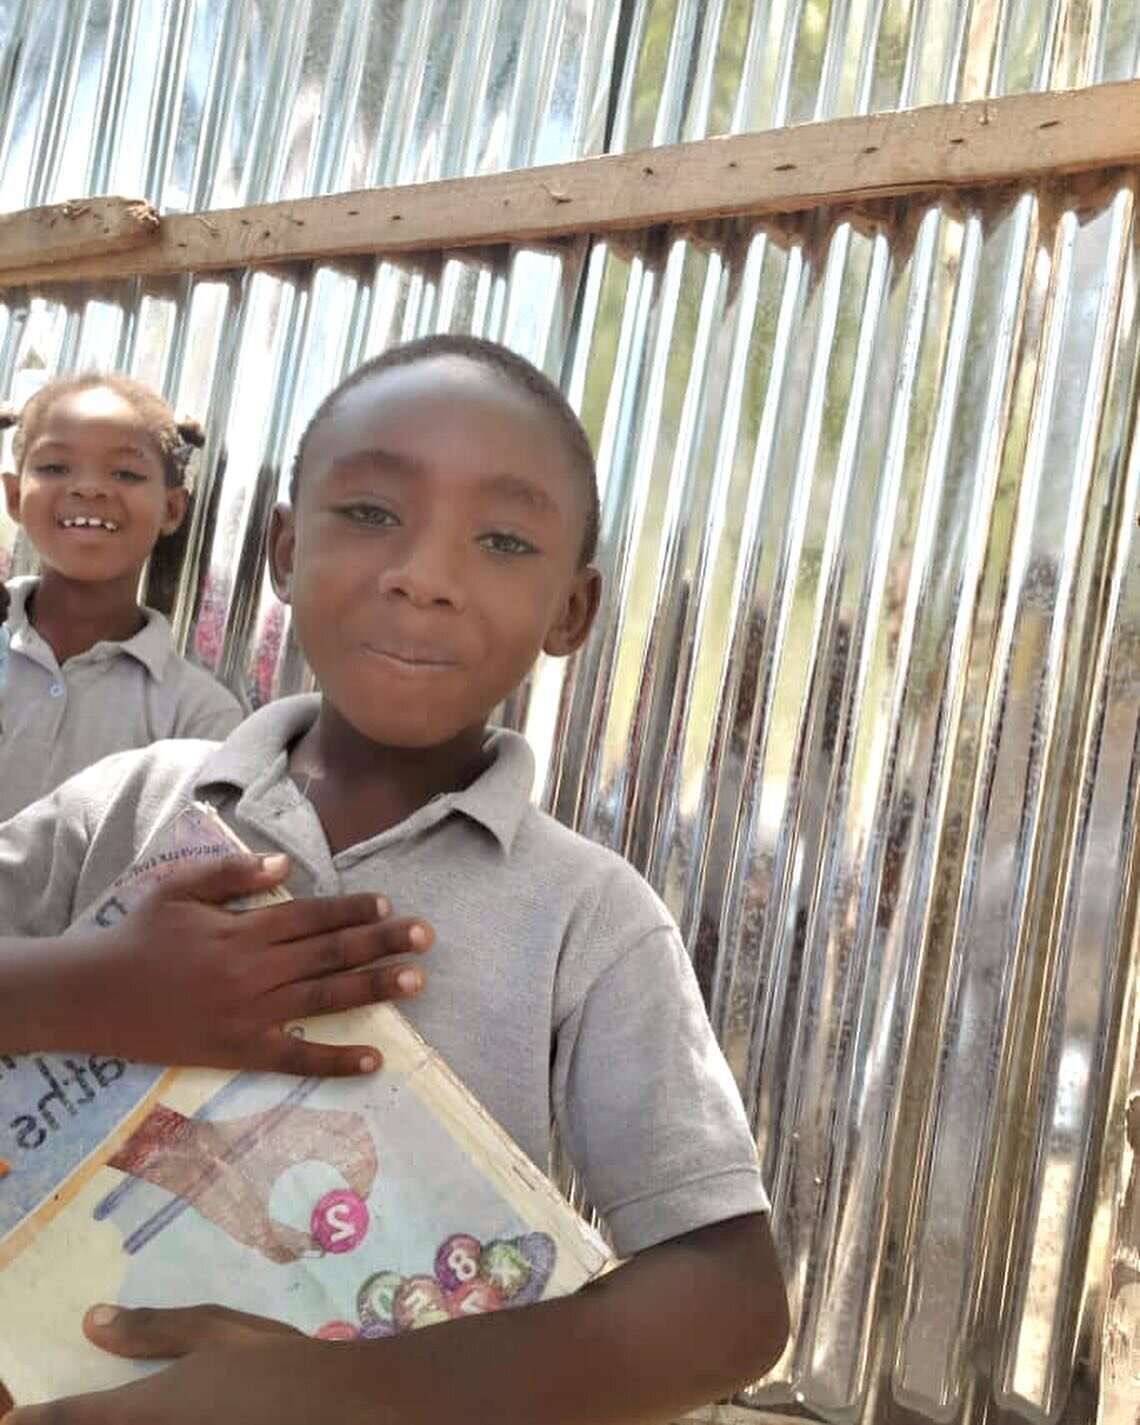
(516, 370)
(176, 439)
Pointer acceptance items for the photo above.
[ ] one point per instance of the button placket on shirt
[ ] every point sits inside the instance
(48, 723)
(80, 666)
(37, 651)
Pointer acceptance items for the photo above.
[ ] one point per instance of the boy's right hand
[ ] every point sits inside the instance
(182, 980)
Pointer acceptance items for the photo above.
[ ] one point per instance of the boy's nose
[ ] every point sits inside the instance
(423, 593)
(425, 577)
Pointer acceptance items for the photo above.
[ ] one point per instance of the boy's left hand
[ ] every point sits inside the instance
(296, 1378)
(685, 1322)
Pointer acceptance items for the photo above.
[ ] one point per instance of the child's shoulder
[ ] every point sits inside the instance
(136, 777)
(201, 687)
(602, 888)
(552, 838)
(196, 703)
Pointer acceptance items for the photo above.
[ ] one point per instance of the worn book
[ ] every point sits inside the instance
(349, 1208)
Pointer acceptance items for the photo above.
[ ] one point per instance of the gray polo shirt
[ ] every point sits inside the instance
(55, 720)
(558, 987)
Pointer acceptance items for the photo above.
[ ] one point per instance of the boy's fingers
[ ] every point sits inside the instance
(350, 949)
(302, 919)
(285, 1053)
(352, 990)
(403, 934)
(148, 1333)
(224, 879)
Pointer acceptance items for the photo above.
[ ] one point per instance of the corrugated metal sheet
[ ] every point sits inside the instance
(865, 702)
(727, 66)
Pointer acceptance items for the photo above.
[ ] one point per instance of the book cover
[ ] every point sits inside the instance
(347, 1207)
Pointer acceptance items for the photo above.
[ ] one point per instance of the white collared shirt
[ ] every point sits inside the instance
(56, 719)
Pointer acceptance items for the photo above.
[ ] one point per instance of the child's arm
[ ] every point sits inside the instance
(181, 980)
(683, 1324)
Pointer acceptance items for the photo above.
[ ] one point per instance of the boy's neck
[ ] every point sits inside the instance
(72, 617)
(361, 788)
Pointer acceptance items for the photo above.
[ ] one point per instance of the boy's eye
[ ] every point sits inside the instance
(50, 467)
(368, 514)
(130, 477)
(498, 542)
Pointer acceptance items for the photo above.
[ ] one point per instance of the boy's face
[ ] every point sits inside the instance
(91, 492)
(433, 550)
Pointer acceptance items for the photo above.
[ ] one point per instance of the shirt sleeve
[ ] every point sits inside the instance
(206, 709)
(42, 852)
(62, 851)
(646, 1105)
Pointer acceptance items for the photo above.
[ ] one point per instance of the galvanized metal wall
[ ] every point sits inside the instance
(865, 701)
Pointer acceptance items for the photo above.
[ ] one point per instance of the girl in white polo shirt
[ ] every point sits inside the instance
(100, 476)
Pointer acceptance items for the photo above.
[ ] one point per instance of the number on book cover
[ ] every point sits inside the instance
(463, 1264)
(457, 1261)
(340, 1221)
(419, 1302)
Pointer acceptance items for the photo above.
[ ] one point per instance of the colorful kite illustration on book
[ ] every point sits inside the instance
(225, 1169)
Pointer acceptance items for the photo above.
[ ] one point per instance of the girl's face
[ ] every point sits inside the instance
(91, 492)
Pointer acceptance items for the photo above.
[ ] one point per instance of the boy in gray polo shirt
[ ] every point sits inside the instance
(100, 471)
(443, 520)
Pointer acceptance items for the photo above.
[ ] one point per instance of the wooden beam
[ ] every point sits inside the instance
(1016, 140)
(65, 232)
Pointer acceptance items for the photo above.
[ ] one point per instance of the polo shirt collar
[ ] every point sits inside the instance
(497, 799)
(18, 592)
(151, 646)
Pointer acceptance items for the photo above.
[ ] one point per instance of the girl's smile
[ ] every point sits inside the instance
(91, 491)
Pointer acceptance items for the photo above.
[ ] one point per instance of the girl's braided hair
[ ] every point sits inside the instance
(176, 440)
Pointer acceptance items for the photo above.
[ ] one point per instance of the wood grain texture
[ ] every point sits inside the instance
(1020, 139)
(84, 228)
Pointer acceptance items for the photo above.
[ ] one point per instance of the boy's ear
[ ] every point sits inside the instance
(568, 634)
(282, 542)
(177, 503)
(12, 494)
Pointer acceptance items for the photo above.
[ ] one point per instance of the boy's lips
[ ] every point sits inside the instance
(411, 656)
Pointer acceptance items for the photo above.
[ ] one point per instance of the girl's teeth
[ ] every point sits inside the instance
(82, 522)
